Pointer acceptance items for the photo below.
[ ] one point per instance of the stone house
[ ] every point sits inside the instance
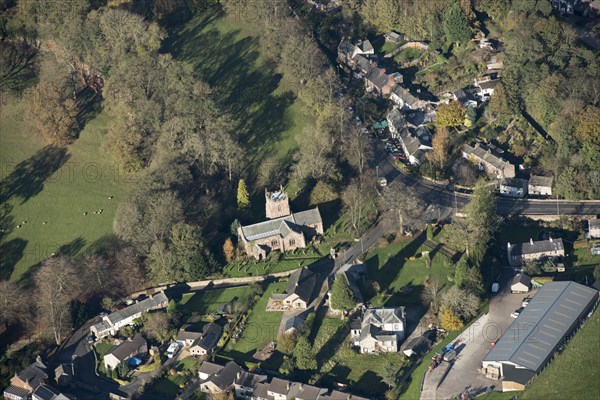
(24, 383)
(520, 253)
(540, 185)
(487, 158)
(513, 187)
(380, 330)
(129, 348)
(298, 294)
(204, 345)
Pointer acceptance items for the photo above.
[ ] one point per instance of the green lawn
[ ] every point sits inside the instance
(228, 56)
(50, 189)
(252, 267)
(393, 268)
(574, 373)
(407, 55)
(170, 384)
(207, 302)
(261, 328)
(102, 348)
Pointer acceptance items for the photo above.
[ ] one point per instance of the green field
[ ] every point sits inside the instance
(170, 384)
(574, 373)
(49, 189)
(261, 328)
(393, 268)
(228, 55)
(207, 302)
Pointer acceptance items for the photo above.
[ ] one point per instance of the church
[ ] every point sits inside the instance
(283, 230)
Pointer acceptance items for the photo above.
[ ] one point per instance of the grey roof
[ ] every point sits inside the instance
(45, 392)
(374, 319)
(210, 337)
(129, 348)
(302, 391)
(260, 391)
(363, 63)
(487, 154)
(35, 374)
(393, 35)
(544, 181)
(519, 375)
(515, 182)
(411, 145)
(396, 119)
(225, 378)
(535, 247)
(16, 391)
(148, 303)
(302, 283)
(593, 223)
(63, 369)
(186, 335)
(418, 344)
(378, 77)
(336, 395)
(248, 379)
(210, 368)
(540, 328)
(282, 226)
(280, 386)
(405, 95)
(521, 278)
(489, 84)
(460, 95)
(365, 46)
(295, 322)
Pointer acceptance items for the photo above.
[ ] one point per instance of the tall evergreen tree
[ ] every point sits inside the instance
(456, 25)
(342, 297)
(243, 198)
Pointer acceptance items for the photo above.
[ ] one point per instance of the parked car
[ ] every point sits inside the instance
(172, 349)
(596, 249)
(516, 313)
(526, 301)
(449, 356)
(495, 287)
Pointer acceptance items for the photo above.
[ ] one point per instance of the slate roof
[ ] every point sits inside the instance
(378, 77)
(418, 345)
(374, 319)
(535, 247)
(280, 386)
(128, 348)
(282, 226)
(396, 119)
(303, 391)
(593, 224)
(210, 337)
(515, 183)
(260, 391)
(521, 278)
(405, 95)
(485, 153)
(210, 368)
(519, 375)
(411, 145)
(295, 322)
(248, 379)
(363, 63)
(489, 84)
(148, 303)
(302, 283)
(365, 46)
(35, 374)
(460, 95)
(186, 335)
(17, 391)
(45, 392)
(225, 378)
(537, 180)
(542, 325)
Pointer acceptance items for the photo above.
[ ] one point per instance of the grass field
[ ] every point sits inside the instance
(574, 373)
(50, 189)
(207, 302)
(169, 385)
(261, 328)
(228, 56)
(393, 268)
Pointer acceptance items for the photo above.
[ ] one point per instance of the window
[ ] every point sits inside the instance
(292, 242)
(274, 243)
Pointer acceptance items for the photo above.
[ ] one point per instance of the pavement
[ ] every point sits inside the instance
(463, 374)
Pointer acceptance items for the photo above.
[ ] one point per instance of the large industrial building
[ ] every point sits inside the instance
(552, 316)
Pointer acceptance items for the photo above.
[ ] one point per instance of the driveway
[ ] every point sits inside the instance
(463, 374)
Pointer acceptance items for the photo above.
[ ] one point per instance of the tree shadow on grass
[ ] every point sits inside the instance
(335, 342)
(370, 383)
(10, 253)
(28, 178)
(245, 89)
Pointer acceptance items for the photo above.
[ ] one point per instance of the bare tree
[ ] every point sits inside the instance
(13, 304)
(355, 199)
(357, 148)
(403, 202)
(158, 326)
(57, 283)
(432, 294)
(461, 302)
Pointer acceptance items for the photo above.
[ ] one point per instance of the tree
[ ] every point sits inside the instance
(460, 302)
(499, 106)
(286, 343)
(597, 272)
(404, 204)
(532, 268)
(171, 307)
(158, 326)
(355, 198)
(13, 305)
(441, 145)
(228, 250)
(53, 115)
(451, 114)
(475, 230)
(588, 128)
(323, 192)
(357, 149)
(313, 159)
(389, 374)
(342, 296)
(305, 355)
(432, 294)
(468, 278)
(57, 285)
(450, 321)
(456, 25)
(243, 198)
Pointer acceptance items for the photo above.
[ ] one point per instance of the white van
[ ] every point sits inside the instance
(173, 349)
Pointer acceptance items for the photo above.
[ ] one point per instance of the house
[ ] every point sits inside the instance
(207, 369)
(129, 348)
(294, 325)
(540, 185)
(413, 147)
(348, 51)
(488, 159)
(45, 392)
(403, 99)
(285, 232)
(494, 64)
(221, 380)
(393, 37)
(527, 346)
(355, 275)
(303, 391)
(244, 384)
(464, 98)
(279, 389)
(396, 122)
(211, 333)
(576, 7)
(186, 338)
(485, 87)
(298, 292)
(417, 346)
(63, 374)
(534, 250)
(379, 82)
(521, 283)
(594, 228)
(111, 323)
(513, 187)
(324, 6)
(379, 331)
(23, 384)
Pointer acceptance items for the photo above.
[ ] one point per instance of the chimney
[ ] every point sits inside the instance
(508, 245)
(38, 358)
(531, 241)
(237, 376)
(550, 238)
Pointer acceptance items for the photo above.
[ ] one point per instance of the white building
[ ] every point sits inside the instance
(379, 331)
(540, 185)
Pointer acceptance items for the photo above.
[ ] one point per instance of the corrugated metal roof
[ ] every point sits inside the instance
(533, 336)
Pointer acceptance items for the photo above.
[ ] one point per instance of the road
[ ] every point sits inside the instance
(445, 198)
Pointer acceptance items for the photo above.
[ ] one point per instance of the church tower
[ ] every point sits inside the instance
(277, 204)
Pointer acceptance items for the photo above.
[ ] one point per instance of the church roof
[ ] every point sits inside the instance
(282, 226)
